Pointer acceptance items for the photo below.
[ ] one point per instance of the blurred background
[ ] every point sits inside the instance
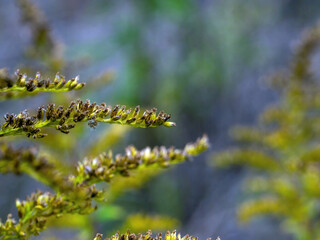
(202, 61)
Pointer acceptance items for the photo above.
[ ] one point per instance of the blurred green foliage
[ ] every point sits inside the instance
(284, 148)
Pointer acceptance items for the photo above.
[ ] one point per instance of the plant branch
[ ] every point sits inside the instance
(65, 119)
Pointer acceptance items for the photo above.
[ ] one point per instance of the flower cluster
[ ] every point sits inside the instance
(105, 166)
(24, 84)
(28, 160)
(75, 192)
(64, 118)
(148, 236)
(93, 170)
(36, 209)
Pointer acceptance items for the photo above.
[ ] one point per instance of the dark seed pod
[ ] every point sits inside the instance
(114, 111)
(40, 113)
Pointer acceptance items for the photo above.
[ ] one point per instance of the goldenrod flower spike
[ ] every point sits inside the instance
(147, 236)
(65, 118)
(105, 166)
(24, 84)
(75, 192)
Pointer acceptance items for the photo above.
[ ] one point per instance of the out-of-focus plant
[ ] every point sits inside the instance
(45, 49)
(284, 148)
